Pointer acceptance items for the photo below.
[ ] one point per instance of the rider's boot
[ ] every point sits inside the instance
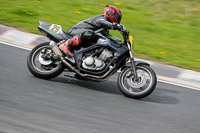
(66, 47)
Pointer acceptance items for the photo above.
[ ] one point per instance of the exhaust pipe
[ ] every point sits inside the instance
(55, 49)
(58, 53)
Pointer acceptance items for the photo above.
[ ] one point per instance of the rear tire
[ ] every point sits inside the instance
(40, 72)
(129, 91)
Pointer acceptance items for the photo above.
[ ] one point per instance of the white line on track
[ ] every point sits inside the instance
(163, 81)
(13, 45)
(180, 85)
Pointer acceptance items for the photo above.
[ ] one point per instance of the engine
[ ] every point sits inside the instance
(97, 62)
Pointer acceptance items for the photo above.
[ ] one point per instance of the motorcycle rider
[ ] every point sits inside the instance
(84, 30)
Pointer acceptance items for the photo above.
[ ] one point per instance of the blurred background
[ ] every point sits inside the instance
(165, 31)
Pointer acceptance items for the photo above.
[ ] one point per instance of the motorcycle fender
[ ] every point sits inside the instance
(137, 63)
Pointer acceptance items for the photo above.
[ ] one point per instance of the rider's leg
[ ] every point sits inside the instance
(67, 46)
(85, 36)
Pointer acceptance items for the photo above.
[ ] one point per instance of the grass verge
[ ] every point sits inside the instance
(165, 31)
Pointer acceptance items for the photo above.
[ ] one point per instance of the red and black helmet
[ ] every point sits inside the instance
(113, 14)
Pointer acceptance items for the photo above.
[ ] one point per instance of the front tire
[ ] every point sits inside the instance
(140, 89)
(42, 67)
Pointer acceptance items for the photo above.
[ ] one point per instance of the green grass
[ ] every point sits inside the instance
(165, 31)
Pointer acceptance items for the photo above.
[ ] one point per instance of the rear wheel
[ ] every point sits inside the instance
(43, 63)
(140, 87)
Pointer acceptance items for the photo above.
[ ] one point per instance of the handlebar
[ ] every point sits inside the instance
(125, 33)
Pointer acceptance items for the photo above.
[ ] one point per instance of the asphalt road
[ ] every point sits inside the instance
(60, 105)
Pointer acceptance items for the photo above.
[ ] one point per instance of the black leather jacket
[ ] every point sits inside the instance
(92, 24)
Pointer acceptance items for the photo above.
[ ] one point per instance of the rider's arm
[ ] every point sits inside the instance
(103, 23)
(108, 25)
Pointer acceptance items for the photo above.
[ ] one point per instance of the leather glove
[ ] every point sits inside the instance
(116, 26)
(119, 27)
(125, 32)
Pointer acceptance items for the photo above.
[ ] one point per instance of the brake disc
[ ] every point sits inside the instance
(141, 83)
(44, 62)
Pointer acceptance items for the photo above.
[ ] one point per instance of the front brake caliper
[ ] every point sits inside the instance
(129, 74)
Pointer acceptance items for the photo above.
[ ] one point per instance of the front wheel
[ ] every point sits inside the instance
(140, 87)
(43, 63)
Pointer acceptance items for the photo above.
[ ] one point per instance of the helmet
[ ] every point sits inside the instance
(113, 14)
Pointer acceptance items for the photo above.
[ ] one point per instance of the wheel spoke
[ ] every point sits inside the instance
(130, 89)
(37, 60)
(141, 88)
(41, 68)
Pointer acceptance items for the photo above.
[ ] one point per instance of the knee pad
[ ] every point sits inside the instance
(76, 40)
(88, 35)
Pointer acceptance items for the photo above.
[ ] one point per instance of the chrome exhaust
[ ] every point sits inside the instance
(58, 53)
(55, 49)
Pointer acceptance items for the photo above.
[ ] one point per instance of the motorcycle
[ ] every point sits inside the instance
(96, 61)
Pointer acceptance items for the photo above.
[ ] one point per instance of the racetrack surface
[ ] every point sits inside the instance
(61, 105)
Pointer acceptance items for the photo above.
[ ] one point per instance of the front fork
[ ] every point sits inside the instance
(132, 61)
